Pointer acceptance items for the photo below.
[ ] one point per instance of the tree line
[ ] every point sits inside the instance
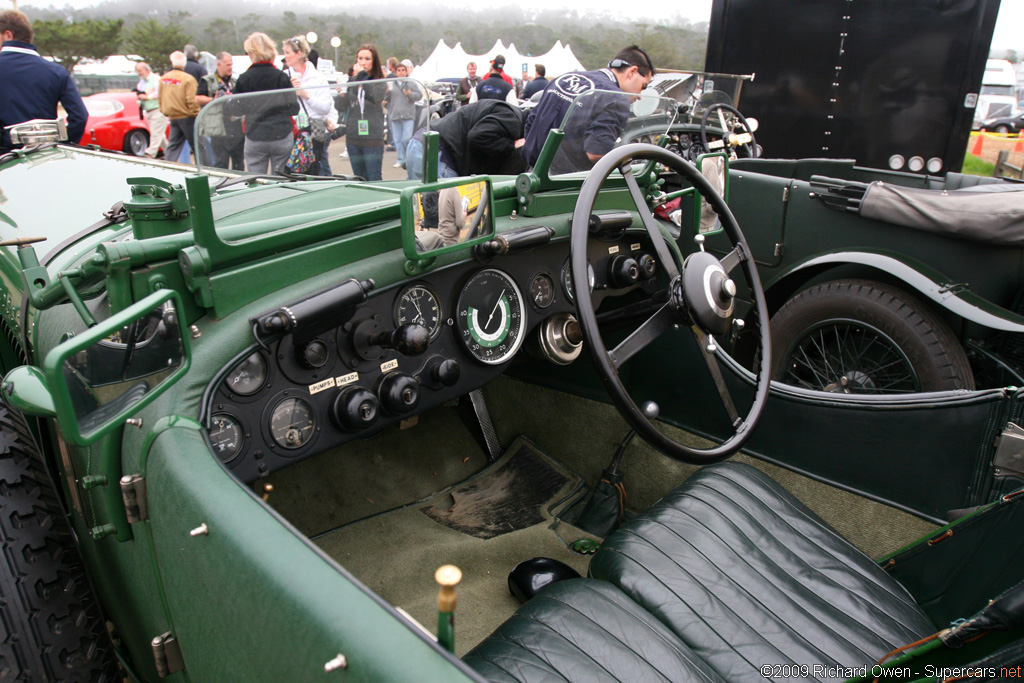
(72, 35)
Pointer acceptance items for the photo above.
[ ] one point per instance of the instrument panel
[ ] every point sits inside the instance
(407, 348)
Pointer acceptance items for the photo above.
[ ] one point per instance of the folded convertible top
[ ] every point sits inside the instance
(987, 213)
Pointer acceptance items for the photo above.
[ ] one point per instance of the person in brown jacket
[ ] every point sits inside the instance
(178, 103)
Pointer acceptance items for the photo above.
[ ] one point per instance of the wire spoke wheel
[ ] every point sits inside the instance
(846, 356)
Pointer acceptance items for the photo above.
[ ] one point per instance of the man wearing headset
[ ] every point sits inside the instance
(597, 123)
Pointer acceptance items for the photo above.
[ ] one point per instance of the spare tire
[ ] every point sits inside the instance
(51, 628)
(865, 337)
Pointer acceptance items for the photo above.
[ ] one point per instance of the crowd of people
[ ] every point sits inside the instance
(289, 129)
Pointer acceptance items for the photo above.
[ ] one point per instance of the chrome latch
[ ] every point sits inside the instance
(133, 493)
(167, 655)
(1009, 457)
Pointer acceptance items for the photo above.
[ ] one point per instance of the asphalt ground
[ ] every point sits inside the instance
(341, 165)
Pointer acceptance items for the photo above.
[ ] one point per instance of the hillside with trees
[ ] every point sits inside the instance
(672, 43)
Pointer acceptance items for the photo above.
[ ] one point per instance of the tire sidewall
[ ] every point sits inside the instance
(920, 335)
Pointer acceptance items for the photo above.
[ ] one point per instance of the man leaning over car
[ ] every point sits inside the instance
(30, 86)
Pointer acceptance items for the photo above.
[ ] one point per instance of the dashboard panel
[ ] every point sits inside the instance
(409, 347)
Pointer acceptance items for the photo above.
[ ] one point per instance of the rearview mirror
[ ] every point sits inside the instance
(446, 216)
(112, 370)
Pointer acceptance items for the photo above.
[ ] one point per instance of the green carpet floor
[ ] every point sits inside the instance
(417, 544)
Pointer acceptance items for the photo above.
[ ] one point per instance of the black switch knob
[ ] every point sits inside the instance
(410, 339)
(314, 355)
(399, 393)
(648, 266)
(623, 271)
(446, 372)
(355, 409)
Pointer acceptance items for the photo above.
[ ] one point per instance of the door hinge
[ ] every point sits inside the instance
(167, 655)
(785, 194)
(133, 492)
(1009, 456)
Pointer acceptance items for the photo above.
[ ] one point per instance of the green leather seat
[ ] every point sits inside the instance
(738, 572)
(585, 630)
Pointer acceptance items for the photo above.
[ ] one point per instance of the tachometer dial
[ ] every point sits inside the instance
(491, 316)
(292, 423)
(248, 377)
(418, 304)
(226, 437)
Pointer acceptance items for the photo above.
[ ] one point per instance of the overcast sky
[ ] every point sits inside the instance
(1009, 33)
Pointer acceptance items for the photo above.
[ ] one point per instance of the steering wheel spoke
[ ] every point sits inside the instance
(732, 259)
(653, 231)
(704, 342)
(644, 335)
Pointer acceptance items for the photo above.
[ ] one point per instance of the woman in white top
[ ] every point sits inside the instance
(315, 95)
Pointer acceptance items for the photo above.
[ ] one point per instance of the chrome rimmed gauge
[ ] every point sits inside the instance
(249, 376)
(226, 437)
(542, 290)
(491, 316)
(292, 423)
(567, 278)
(418, 304)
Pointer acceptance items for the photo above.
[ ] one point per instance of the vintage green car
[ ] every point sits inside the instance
(251, 422)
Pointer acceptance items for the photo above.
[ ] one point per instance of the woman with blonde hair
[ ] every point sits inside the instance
(314, 97)
(268, 120)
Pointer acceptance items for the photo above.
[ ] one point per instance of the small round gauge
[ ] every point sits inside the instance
(418, 304)
(292, 423)
(249, 376)
(225, 437)
(542, 290)
(491, 316)
(567, 278)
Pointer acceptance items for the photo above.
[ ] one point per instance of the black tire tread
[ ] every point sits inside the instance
(51, 628)
(945, 363)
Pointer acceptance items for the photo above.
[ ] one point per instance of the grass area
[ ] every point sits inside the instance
(975, 166)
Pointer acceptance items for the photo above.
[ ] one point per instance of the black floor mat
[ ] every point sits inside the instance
(506, 498)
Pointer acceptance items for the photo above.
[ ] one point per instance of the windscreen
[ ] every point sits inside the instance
(596, 121)
(310, 131)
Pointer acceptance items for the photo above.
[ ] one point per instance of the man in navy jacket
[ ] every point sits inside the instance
(30, 86)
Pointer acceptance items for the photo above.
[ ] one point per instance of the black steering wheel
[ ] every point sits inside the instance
(700, 295)
(729, 139)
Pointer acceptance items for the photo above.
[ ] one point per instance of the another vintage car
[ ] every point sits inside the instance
(262, 428)
(116, 123)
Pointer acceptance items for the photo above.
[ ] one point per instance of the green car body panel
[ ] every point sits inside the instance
(175, 544)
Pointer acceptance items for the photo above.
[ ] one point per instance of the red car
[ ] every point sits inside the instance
(115, 123)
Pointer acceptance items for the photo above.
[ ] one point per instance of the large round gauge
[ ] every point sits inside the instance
(292, 423)
(225, 437)
(418, 304)
(491, 316)
(248, 376)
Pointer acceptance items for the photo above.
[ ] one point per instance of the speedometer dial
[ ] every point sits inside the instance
(491, 316)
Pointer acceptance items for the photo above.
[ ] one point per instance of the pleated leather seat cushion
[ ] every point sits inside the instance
(585, 631)
(747, 576)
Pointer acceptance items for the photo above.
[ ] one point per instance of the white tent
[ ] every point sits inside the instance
(450, 62)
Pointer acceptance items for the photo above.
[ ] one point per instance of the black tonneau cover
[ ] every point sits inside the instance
(992, 213)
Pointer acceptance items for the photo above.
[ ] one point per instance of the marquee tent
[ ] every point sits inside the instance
(450, 62)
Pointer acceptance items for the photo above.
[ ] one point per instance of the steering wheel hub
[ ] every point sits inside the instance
(710, 293)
